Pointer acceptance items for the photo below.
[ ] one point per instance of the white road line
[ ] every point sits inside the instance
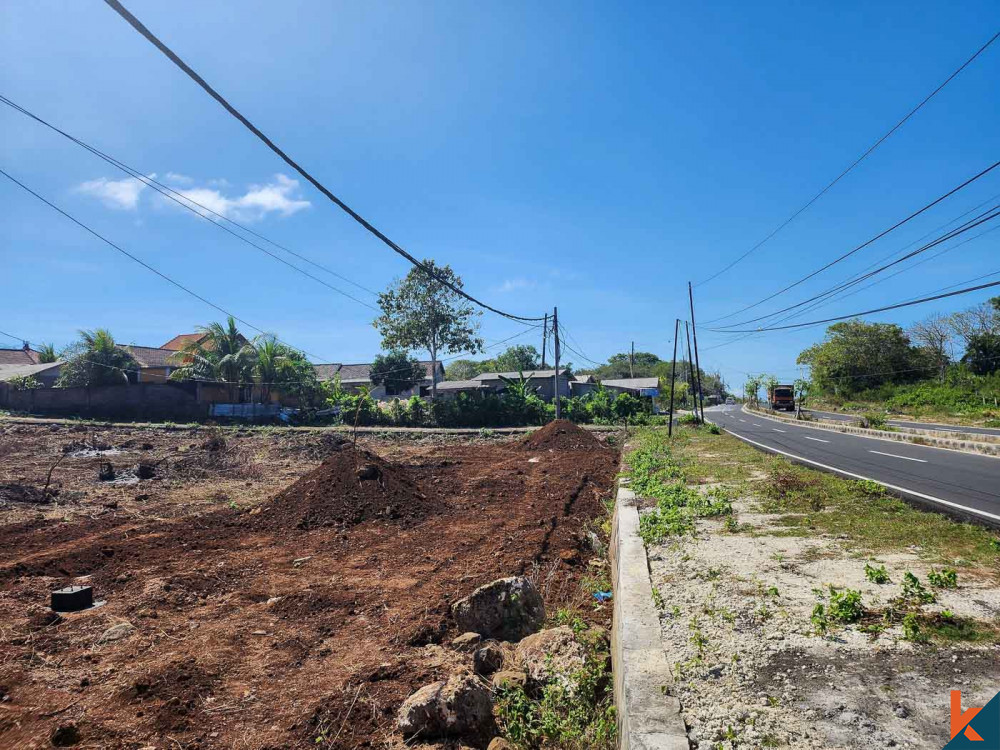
(743, 421)
(905, 458)
(816, 439)
(852, 475)
(777, 430)
(757, 425)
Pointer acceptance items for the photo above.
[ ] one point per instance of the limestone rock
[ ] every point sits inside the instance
(459, 706)
(466, 641)
(117, 632)
(499, 743)
(509, 678)
(487, 659)
(551, 653)
(507, 609)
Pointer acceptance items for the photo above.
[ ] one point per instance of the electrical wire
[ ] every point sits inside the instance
(145, 32)
(856, 162)
(863, 245)
(185, 201)
(143, 263)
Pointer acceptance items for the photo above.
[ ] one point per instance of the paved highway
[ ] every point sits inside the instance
(966, 482)
(915, 425)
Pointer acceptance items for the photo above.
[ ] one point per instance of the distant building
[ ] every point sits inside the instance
(635, 386)
(155, 363)
(24, 355)
(353, 377)
(543, 381)
(45, 373)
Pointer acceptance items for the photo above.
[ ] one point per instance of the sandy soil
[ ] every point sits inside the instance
(232, 622)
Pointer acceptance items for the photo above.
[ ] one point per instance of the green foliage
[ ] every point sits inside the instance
(627, 407)
(419, 312)
(874, 420)
(911, 627)
(914, 591)
(397, 371)
(943, 579)
(844, 607)
(95, 359)
(576, 711)
(876, 575)
(24, 382)
(47, 354)
(982, 353)
(517, 359)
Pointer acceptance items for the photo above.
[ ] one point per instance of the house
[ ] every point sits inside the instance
(354, 376)
(155, 363)
(184, 339)
(22, 356)
(45, 373)
(543, 381)
(581, 385)
(635, 386)
(451, 388)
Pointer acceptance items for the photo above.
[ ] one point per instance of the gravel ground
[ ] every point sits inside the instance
(752, 671)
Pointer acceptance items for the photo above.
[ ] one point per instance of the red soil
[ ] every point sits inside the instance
(561, 435)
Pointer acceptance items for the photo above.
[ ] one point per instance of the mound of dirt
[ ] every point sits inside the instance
(351, 486)
(23, 493)
(561, 435)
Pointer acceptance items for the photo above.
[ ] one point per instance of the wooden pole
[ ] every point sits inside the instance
(697, 364)
(694, 399)
(545, 336)
(555, 347)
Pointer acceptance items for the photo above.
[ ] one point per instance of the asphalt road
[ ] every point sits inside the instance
(964, 482)
(915, 425)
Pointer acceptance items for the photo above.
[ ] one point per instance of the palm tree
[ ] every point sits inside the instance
(47, 353)
(275, 364)
(96, 360)
(222, 354)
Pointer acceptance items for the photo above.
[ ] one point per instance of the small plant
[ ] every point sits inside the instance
(819, 618)
(658, 600)
(486, 433)
(877, 575)
(869, 488)
(995, 545)
(914, 591)
(945, 579)
(843, 607)
(873, 420)
(773, 591)
(947, 614)
(911, 628)
(714, 429)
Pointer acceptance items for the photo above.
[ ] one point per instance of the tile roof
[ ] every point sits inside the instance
(633, 383)
(531, 374)
(19, 356)
(11, 371)
(327, 371)
(150, 356)
(179, 342)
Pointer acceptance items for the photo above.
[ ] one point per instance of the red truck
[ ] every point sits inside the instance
(783, 397)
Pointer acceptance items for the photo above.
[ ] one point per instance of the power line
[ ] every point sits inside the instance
(184, 201)
(984, 217)
(863, 245)
(138, 26)
(876, 310)
(143, 263)
(857, 161)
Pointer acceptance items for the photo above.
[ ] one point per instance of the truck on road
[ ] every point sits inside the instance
(782, 396)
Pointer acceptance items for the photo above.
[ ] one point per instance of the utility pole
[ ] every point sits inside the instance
(673, 377)
(697, 364)
(555, 347)
(694, 398)
(631, 362)
(545, 336)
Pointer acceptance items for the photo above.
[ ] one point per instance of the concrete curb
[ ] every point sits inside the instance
(648, 717)
(916, 438)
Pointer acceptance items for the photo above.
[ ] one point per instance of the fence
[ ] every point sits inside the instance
(141, 401)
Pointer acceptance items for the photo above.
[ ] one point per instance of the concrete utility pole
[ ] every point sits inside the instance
(555, 347)
(545, 336)
(673, 377)
(694, 396)
(631, 362)
(701, 396)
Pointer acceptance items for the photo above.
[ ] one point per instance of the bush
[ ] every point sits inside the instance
(873, 420)
(24, 383)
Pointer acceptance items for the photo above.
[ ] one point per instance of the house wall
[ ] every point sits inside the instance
(155, 374)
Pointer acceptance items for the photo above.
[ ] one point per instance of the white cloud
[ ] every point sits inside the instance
(515, 285)
(279, 196)
(122, 195)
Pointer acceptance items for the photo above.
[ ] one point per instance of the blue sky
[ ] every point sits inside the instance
(588, 155)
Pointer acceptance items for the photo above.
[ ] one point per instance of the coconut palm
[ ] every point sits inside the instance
(222, 354)
(47, 353)
(277, 364)
(95, 359)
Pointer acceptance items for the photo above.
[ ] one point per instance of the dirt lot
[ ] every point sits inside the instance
(264, 589)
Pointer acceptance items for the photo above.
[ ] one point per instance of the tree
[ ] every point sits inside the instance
(222, 355)
(275, 364)
(982, 353)
(95, 359)
(521, 358)
(856, 356)
(464, 369)
(934, 334)
(984, 318)
(47, 354)
(397, 371)
(419, 312)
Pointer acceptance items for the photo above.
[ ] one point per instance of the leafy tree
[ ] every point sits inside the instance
(95, 359)
(397, 371)
(982, 353)
(520, 358)
(47, 354)
(276, 365)
(856, 356)
(465, 369)
(419, 312)
(223, 355)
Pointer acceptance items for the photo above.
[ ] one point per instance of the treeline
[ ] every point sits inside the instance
(944, 361)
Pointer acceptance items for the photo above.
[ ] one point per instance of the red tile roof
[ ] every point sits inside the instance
(19, 356)
(179, 342)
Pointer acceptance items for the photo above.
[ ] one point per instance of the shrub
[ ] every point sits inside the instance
(914, 591)
(873, 420)
(945, 579)
(24, 383)
(876, 575)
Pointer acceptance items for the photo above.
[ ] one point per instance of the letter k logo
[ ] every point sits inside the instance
(960, 721)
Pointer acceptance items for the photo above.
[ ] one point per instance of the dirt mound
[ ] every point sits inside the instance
(351, 486)
(561, 435)
(23, 493)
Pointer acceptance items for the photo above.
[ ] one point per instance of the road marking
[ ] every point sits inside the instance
(852, 475)
(777, 430)
(757, 425)
(743, 421)
(905, 458)
(816, 439)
